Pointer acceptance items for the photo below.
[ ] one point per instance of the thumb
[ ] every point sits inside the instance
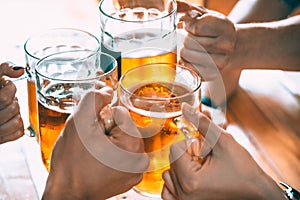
(11, 70)
(124, 121)
(92, 103)
(205, 126)
(185, 7)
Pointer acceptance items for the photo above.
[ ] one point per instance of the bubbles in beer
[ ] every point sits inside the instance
(61, 96)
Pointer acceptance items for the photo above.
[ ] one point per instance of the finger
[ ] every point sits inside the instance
(181, 161)
(168, 185)
(19, 133)
(175, 181)
(216, 45)
(98, 99)
(11, 126)
(206, 67)
(184, 7)
(118, 150)
(207, 113)
(100, 84)
(9, 112)
(166, 194)
(158, 4)
(11, 70)
(199, 57)
(205, 126)
(7, 94)
(127, 136)
(124, 121)
(208, 25)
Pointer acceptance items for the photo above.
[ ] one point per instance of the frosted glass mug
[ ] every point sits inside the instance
(46, 43)
(138, 32)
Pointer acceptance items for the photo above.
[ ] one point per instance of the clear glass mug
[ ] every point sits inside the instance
(61, 80)
(46, 43)
(153, 94)
(138, 32)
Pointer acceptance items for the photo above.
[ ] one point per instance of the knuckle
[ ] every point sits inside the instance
(14, 108)
(19, 133)
(4, 99)
(17, 122)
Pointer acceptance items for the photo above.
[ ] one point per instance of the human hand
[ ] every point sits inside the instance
(210, 41)
(158, 4)
(228, 172)
(11, 123)
(86, 163)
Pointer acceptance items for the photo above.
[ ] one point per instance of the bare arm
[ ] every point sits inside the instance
(271, 45)
(246, 11)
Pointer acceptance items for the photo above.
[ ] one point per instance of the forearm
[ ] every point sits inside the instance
(62, 187)
(273, 45)
(246, 11)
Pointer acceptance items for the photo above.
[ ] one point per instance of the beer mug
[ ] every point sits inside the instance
(46, 43)
(138, 32)
(61, 80)
(153, 94)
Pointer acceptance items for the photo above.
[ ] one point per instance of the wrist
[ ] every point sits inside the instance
(268, 189)
(243, 48)
(59, 190)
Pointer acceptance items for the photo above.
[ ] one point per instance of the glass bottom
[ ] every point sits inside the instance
(150, 196)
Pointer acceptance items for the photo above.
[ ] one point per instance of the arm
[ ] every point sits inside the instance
(269, 37)
(270, 45)
(215, 41)
(260, 11)
(228, 172)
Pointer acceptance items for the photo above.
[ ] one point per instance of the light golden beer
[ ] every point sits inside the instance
(157, 122)
(51, 123)
(139, 32)
(32, 107)
(54, 107)
(146, 56)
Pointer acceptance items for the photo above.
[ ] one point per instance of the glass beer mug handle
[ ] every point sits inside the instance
(193, 137)
(28, 131)
(187, 128)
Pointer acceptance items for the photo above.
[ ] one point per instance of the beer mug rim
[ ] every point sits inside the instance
(165, 65)
(54, 30)
(90, 54)
(170, 13)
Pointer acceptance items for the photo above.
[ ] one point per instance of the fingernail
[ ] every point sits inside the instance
(16, 68)
(106, 116)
